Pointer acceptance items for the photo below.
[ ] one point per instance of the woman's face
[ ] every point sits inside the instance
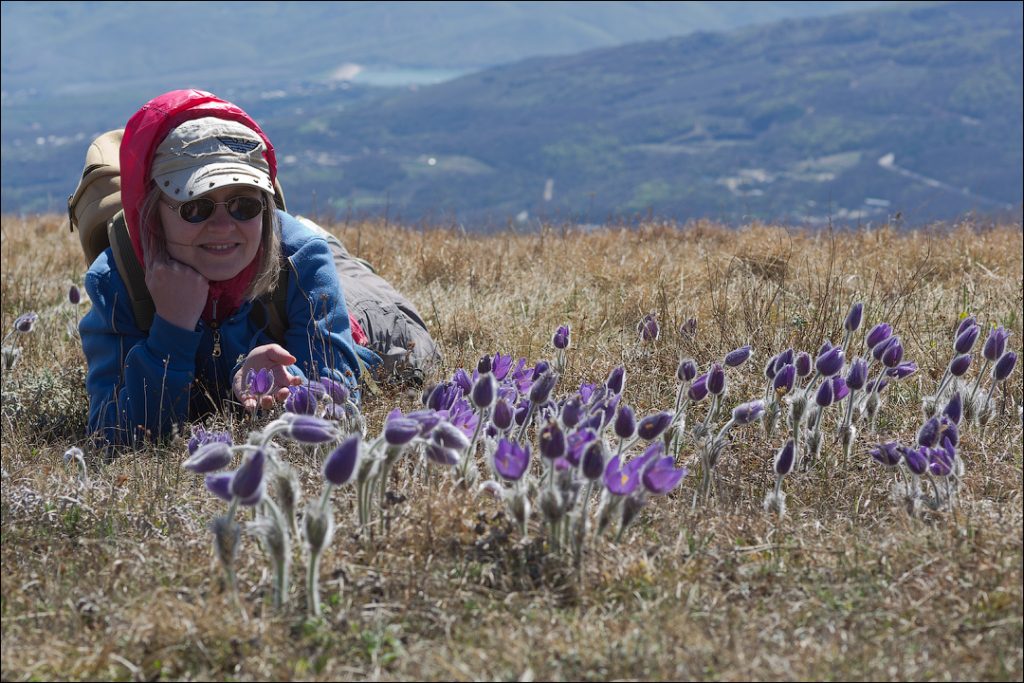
(220, 246)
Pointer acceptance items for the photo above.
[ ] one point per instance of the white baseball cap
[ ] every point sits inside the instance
(203, 154)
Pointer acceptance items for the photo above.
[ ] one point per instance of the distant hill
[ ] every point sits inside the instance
(912, 111)
(849, 118)
(72, 47)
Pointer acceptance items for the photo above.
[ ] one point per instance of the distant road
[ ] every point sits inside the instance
(888, 162)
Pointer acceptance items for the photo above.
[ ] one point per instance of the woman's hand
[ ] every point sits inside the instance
(275, 358)
(179, 292)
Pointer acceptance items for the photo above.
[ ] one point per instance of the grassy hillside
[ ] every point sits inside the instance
(115, 579)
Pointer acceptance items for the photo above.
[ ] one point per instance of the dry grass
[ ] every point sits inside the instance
(116, 580)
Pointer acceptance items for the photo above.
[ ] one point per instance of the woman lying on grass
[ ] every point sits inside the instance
(198, 190)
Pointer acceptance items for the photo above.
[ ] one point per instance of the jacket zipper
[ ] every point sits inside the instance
(215, 326)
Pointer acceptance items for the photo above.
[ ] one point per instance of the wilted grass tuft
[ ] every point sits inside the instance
(115, 579)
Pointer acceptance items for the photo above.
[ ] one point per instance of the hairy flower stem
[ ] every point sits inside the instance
(313, 582)
(977, 382)
(526, 423)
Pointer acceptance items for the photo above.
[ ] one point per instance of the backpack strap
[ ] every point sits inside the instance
(131, 271)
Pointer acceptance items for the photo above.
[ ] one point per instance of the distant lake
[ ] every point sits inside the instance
(388, 77)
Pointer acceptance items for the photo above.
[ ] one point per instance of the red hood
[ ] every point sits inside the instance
(147, 129)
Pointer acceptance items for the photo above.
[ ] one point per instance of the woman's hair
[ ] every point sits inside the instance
(265, 279)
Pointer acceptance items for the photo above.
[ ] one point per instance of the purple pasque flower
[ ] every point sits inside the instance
(830, 362)
(888, 454)
(444, 395)
(954, 409)
(699, 389)
(878, 334)
(341, 465)
(625, 422)
(336, 391)
(572, 412)
(854, 317)
(803, 364)
(450, 436)
(916, 459)
(1004, 366)
(500, 365)
(616, 379)
(427, 419)
(540, 391)
(839, 389)
(688, 329)
(893, 354)
(652, 426)
(687, 370)
(857, 376)
(75, 295)
(461, 378)
(784, 459)
(738, 357)
(995, 344)
(716, 380)
(748, 412)
(940, 460)
(310, 429)
(484, 391)
(260, 382)
(964, 324)
(25, 322)
(511, 460)
(210, 457)
(825, 395)
(620, 480)
(219, 484)
(552, 441)
(462, 415)
(965, 340)
(958, 366)
(560, 340)
(401, 430)
(784, 380)
(648, 329)
(593, 462)
(576, 443)
(879, 349)
(436, 452)
(903, 370)
(484, 365)
(201, 437)
(300, 400)
(661, 476)
(248, 479)
(503, 414)
(928, 434)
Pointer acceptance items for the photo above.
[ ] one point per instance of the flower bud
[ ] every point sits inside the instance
(737, 357)
(625, 422)
(687, 370)
(784, 459)
(784, 380)
(249, 477)
(593, 460)
(716, 380)
(830, 362)
(1004, 366)
(825, 395)
(652, 426)
(340, 465)
(616, 380)
(210, 457)
(857, 377)
(995, 344)
(503, 414)
(958, 366)
(560, 340)
(878, 334)
(803, 364)
(542, 386)
(483, 393)
(854, 317)
(746, 413)
(552, 441)
(965, 340)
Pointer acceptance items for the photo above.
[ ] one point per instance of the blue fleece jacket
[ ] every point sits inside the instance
(143, 384)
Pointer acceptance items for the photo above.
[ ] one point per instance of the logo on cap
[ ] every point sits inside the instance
(240, 145)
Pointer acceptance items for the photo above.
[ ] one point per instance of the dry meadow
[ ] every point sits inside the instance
(116, 579)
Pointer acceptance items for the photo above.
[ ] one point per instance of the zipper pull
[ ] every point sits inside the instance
(215, 326)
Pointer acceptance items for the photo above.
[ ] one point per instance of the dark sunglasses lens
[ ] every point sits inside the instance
(245, 208)
(197, 210)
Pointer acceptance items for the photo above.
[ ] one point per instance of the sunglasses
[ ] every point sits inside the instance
(240, 208)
